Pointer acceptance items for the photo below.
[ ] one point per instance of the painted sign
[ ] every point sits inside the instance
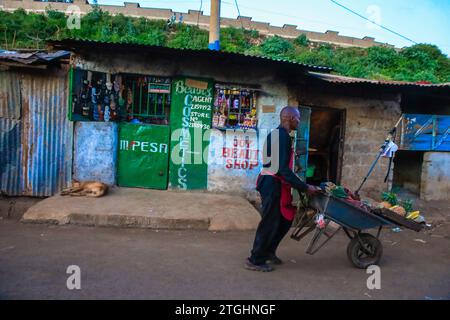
(241, 152)
(190, 119)
(158, 85)
(143, 156)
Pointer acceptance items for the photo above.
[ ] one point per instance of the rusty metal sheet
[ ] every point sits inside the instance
(36, 57)
(334, 78)
(11, 182)
(47, 134)
(10, 95)
(77, 45)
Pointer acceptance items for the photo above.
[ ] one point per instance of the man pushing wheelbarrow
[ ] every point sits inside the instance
(274, 185)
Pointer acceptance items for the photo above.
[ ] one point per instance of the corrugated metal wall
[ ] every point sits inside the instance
(46, 136)
(11, 181)
(10, 95)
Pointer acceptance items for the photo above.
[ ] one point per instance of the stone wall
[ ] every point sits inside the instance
(368, 120)
(435, 183)
(195, 17)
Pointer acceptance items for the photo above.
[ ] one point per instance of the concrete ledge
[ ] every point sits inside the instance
(137, 222)
(142, 208)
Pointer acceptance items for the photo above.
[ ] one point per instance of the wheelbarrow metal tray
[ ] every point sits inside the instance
(346, 214)
(398, 219)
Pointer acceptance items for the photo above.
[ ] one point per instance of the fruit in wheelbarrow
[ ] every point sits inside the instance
(385, 204)
(399, 210)
(413, 215)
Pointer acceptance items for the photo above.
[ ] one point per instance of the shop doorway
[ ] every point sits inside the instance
(143, 156)
(325, 145)
(408, 171)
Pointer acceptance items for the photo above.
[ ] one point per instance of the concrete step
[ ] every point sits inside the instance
(143, 208)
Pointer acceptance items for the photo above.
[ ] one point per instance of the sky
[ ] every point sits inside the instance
(422, 21)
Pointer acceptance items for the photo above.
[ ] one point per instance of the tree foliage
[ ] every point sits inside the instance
(422, 62)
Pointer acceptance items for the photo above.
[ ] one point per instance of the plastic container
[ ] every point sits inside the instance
(310, 171)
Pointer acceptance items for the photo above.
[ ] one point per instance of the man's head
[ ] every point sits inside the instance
(290, 118)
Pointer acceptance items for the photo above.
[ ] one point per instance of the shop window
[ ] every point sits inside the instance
(94, 96)
(234, 108)
(147, 99)
(98, 96)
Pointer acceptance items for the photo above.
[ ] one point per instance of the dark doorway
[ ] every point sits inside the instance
(408, 171)
(325, 145)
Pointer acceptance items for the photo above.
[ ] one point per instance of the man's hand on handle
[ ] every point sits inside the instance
(312, 190)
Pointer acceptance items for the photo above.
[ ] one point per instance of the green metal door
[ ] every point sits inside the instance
(143, 156)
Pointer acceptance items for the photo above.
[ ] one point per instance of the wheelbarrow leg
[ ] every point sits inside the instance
(297, 234)
(379, 232)
(319, 232)
(347, 232)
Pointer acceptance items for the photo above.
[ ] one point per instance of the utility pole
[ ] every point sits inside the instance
(214, 26)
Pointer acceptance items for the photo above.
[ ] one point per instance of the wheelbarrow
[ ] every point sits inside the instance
(364, 249)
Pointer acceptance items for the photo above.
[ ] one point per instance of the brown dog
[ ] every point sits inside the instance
(86, 188)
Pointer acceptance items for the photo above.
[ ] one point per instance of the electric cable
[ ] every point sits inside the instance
(381, 26)
(199, 11)
(239, 13)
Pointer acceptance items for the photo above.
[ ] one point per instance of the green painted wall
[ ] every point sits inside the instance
(190, 118)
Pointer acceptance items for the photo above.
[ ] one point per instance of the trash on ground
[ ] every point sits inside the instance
(320, 221)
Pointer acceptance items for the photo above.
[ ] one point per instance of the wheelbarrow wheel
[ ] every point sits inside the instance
(365, 251)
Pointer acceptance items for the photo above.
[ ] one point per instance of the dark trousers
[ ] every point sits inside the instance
(273, 226)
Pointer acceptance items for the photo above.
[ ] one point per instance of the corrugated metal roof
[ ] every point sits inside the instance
(350, 80)
(32, 58)
(77, 44)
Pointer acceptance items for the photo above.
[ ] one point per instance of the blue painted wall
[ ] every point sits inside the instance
(95, 151)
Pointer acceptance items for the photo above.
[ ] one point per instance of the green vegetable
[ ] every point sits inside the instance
(408, 205)
(390, 197)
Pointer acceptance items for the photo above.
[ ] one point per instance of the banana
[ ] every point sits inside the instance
(413, 215)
